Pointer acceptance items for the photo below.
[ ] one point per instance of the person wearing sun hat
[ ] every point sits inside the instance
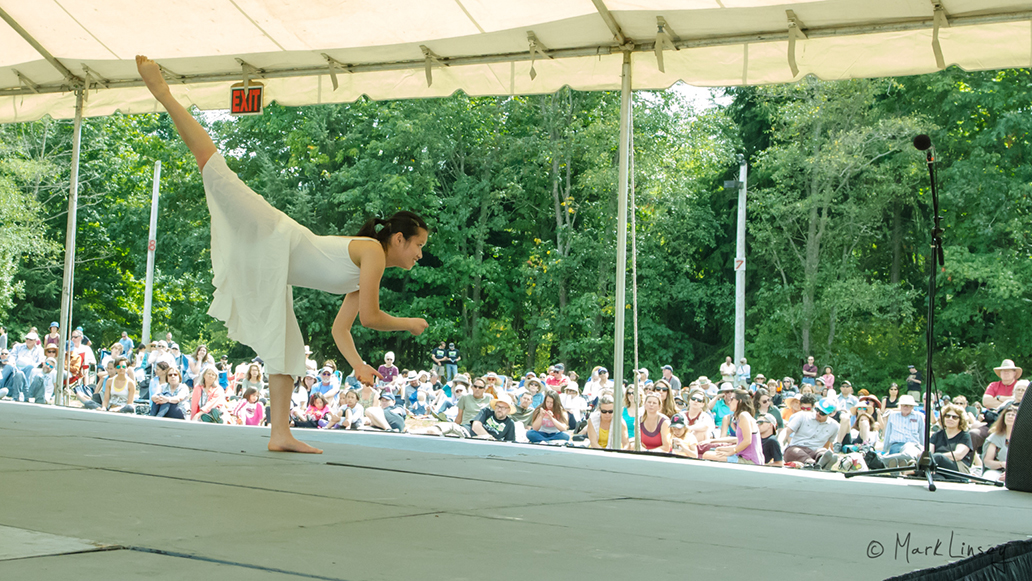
(1000, 391)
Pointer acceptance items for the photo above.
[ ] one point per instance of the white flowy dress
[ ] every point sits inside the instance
(258, 254)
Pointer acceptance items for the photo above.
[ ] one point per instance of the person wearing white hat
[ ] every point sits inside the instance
(904, 430)
(493, 422)
(1000, 391)
(28, 355)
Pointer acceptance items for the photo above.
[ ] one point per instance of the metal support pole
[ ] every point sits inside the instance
(621, 246)
(152, 245)
(743, 172)
(69, 266)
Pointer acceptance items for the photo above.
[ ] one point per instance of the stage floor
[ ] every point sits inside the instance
(88, 495)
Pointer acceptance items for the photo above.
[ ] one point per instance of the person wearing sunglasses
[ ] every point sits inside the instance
(951, 446)
(121, 389)
(699, 421)
(170, 399)
(600, 423)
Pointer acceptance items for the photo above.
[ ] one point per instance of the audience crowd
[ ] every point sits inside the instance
(820, 422)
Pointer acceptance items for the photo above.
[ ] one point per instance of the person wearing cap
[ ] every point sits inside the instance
(536, 389)
(808, 435)
(682, 440)
(998, 392)
(914, 382)
(556, 379)
(326, 386)
(766, 423)
(597, 383)
(54, 336)
(904, 429)
(493, 422)
(674, 381)
(388, 415)
(451, 365)
(411, 387)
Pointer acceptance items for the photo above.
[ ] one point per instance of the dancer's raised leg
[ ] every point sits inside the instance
(195, 137)
(281, 439)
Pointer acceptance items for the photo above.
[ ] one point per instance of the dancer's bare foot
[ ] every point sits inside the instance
(151, 75)
(289, 443)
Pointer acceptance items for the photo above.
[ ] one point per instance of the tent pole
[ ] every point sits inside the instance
(743, 172)
(621, 244)
(69, 266)
(152, 244)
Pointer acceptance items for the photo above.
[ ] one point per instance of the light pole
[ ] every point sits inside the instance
(743, 175)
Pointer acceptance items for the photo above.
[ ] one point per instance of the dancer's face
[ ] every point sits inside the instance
(408, 252)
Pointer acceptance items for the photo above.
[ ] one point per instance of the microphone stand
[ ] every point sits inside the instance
(926, 466)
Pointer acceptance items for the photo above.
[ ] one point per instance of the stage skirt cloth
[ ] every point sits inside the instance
(258, 254)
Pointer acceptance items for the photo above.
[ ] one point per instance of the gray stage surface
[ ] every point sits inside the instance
(87, 495)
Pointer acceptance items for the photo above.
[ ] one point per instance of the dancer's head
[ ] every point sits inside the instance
(402, 237)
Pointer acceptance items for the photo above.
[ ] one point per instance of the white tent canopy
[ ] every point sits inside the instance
(390, 49)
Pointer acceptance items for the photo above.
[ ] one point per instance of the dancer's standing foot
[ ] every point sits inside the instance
(281, 439)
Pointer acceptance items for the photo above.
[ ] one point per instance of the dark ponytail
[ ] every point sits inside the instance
(408, 223)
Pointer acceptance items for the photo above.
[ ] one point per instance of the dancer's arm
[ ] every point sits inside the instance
(195, 137)
(371, 262)
(364, 372)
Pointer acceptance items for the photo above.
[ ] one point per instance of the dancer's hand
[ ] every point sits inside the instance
(365, 374)
(417, 326)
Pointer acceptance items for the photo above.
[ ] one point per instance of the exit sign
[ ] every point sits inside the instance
(249, 102)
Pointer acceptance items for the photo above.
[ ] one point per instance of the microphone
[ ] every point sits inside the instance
(922, 142)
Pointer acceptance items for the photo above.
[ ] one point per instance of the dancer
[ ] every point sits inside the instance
(255, 246)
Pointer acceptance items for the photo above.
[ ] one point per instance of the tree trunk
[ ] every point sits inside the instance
(897, 243)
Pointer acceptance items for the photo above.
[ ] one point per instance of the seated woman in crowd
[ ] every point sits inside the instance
(891, 401)
(253, 378)
(299, 397)
(208, 403)
(120, 390)
(248, 411)
(198, 361)
(748, 448)
(630, 406)
(549, 421)
(600, 423)
(654, 426)
(172, 398)
(667, 406)
(996, 445)
(682, 440)
(763, 403)
(951, 446)
(699, 421)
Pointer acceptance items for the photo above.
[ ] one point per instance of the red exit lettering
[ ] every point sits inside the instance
(249, 103)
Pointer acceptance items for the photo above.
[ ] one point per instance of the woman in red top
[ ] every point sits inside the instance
(654, 426)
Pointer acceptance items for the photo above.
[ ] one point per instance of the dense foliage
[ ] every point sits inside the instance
(520, 193)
